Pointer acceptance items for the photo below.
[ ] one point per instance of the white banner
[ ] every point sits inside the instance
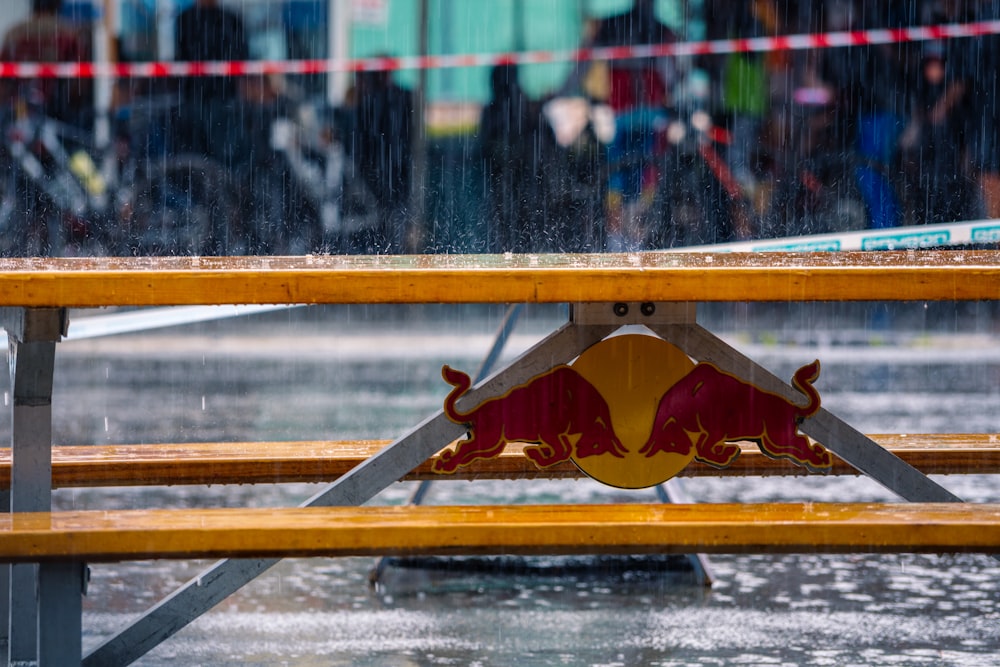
(370, 12)
(896, 238)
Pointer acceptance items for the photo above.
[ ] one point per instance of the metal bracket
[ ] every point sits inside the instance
(621, 313)
(35, 324)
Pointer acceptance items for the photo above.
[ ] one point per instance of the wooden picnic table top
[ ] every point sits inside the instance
(555, 278)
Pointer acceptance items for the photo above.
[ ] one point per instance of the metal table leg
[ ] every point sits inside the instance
(45, 606)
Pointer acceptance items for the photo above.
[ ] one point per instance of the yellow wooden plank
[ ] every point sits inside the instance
(323, 461)
(931, 453)
(93, 536)
(147, 281)
(201, 463)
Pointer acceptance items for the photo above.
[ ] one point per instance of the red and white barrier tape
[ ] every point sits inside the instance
(88, 70)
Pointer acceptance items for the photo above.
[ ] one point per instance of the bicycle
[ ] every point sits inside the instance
(312, 186)
(814, 183)
(64, 194)
(696, 199)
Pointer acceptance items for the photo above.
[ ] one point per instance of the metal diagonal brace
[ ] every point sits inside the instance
(503, 335)
(837, 435)
(355, 488)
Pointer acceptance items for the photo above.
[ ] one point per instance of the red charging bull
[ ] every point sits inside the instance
(709, 410)
(559, 411)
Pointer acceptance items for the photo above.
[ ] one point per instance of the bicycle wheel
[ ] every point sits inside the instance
(184, 206)
(27, 219)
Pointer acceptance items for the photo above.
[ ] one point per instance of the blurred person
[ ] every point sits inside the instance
(637, 82)
(981, 57)
(515, 140)
(269, 194)
(867, 83)
(204, 32)
(45, 37)
(746, 92)
(36, 224)
(932, 141)
(383, 154)
(639, 92)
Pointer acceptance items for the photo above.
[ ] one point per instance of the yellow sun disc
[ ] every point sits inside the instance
(632, 372)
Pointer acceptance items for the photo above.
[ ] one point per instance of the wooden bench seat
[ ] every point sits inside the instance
(323, 461)
(101, 536)
(558, 278)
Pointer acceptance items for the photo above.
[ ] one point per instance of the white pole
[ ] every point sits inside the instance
(338, 31)
(103, 32)
(164, 12)
(15, 12)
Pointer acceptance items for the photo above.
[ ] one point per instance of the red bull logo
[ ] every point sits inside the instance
(598, 411)
(560, 412)
(709, 410)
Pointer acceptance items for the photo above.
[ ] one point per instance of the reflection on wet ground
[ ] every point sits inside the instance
(349, 374)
